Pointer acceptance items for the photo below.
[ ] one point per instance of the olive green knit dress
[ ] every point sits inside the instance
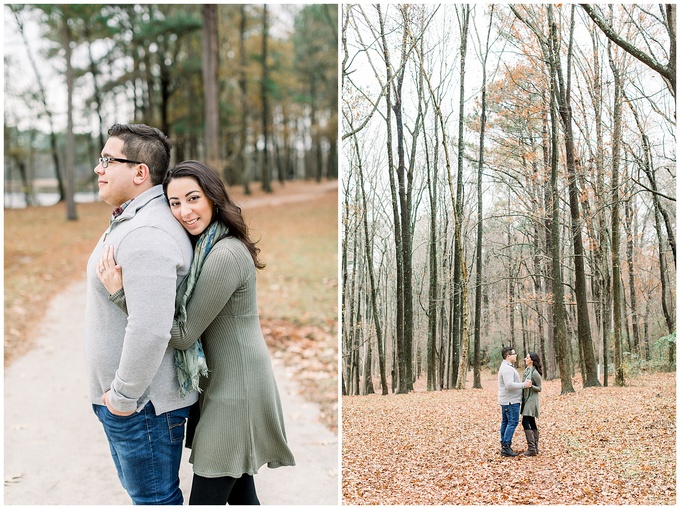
(241, 425)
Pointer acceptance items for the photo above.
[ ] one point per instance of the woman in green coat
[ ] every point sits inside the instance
(529, 411)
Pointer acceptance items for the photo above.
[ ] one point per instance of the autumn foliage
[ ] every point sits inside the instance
(611, 445)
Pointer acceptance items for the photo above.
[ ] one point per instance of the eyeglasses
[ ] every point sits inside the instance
(104, 161)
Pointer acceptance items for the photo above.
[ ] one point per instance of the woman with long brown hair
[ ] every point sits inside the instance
(529, 411)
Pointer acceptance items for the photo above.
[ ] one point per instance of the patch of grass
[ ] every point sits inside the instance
(299, 244)
(572, 443)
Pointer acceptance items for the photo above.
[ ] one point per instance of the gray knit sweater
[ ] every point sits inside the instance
(509, 385)
(130, 354)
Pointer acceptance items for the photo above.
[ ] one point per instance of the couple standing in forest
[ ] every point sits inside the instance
(519, 398)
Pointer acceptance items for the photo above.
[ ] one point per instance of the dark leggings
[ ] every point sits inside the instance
(529, 422)
(220, 490)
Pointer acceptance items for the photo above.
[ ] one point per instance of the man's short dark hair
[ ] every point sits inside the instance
(147, 145)
(506, 350)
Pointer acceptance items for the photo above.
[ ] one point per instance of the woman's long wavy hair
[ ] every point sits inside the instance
(537, 362)
(225, 209)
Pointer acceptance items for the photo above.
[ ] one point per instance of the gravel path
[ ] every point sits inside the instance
(56, 451)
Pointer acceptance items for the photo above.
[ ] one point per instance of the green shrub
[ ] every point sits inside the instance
(660, 361)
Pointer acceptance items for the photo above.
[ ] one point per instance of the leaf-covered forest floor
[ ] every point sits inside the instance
(605, 445)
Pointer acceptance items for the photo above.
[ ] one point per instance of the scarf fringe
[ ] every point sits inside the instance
(190, 363)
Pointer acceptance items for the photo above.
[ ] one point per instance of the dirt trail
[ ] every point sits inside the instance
(56, 451)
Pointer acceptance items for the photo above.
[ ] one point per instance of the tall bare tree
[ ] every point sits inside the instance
(550, 47)
(616, 257)
(477, 378)
(564, 101)
(460, 268)
(43, 99)
(243, 89)
(210, 86)
(645, 163)
(373, 290)
(264, 96)
(71, 213)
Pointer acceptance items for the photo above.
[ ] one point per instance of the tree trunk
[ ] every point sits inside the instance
(97, 96)
(43, 99)
(345, 301)
(266, 170)
(406, 381)
(356, 345)
(630, 255)
(461, 273)
(511, 290)
(71, 213)
(243, 85)
(560, 318)
(432, 186)
(600, 281)
(210, 87)
(550, 358)
(583, 321)
(369, 262)
(399, 367)
(367, 376)
(349, 297)
(616, 262)
(477, 379)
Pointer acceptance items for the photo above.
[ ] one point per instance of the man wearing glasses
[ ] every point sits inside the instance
(509, 397)
(132, 380)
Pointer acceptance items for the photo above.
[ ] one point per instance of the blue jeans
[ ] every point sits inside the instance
(147, 450)
(509, 421)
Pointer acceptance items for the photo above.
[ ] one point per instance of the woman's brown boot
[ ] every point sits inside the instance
(531, 443)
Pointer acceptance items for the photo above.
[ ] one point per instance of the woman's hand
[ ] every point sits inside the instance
(110, 274)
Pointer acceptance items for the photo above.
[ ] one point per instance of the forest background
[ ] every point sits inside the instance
(249, 89)
(509, 178)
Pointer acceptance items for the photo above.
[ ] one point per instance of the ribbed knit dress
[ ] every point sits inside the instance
(241, 424)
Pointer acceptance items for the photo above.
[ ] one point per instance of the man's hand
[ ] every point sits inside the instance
(527, 384)
(105, 400)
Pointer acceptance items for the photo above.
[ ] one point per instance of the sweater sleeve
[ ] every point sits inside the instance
(536, 381)
(509, 379)
(225, 270)
(150, 258)
(118, 299)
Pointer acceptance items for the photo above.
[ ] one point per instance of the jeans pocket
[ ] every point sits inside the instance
(105, 415)
(176, 427)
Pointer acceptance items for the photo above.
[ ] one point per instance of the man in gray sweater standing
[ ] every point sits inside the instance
(133, 384)
(509, 397)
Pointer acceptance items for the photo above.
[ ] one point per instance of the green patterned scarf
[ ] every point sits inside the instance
(190, 363)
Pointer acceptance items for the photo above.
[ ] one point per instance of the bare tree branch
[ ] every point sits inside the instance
(666, 71)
